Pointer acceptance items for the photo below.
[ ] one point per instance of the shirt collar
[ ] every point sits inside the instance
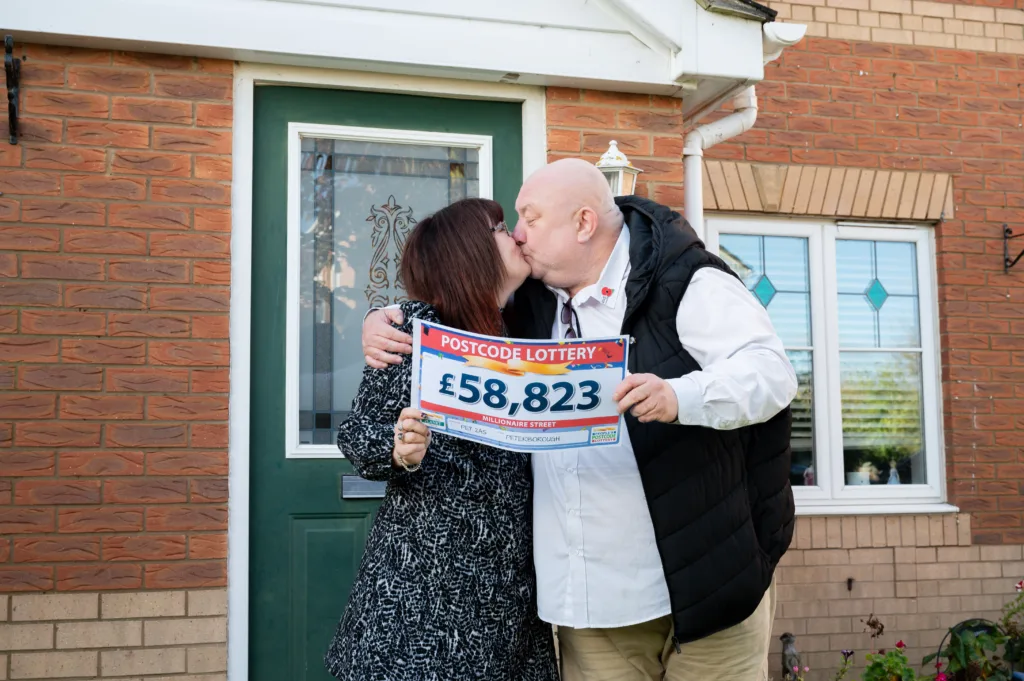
(613, 277)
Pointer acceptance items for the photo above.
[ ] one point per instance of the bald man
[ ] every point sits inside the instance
(655, 558)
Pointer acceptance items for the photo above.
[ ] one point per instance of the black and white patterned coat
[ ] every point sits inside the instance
(446, 589)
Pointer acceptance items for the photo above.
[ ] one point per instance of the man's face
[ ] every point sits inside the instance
(547, 235)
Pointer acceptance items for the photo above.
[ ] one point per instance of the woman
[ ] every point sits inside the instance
(446, 589)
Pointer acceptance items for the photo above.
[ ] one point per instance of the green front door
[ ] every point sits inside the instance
(340, 177)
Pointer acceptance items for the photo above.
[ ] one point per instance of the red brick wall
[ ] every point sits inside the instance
(114, 280)
(872, 105)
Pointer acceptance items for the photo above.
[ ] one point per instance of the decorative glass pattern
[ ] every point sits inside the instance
(359, 201)
(876, 294)
(880, 362)
(878, 297)
(764, 290)
(777, 272)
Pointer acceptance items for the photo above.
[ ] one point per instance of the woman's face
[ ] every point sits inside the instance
(515, 264)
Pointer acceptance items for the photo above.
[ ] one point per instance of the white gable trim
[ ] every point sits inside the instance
(622, 45)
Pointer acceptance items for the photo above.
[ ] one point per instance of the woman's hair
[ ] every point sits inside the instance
(452, 262)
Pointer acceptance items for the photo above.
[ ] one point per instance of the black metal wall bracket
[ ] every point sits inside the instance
(12, 67)
(1007, 235)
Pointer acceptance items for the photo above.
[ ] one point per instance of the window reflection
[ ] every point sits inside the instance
(776, 270)
(359, 201)
(882, 391)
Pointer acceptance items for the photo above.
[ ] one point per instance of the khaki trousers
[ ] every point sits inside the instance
(644, 652)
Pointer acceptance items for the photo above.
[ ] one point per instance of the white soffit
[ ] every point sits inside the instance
(668, 47)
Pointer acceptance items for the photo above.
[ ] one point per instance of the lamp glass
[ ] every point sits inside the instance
(628, 182)
(614, 177)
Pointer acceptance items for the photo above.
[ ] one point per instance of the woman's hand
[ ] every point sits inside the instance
(411, 439)
(381, 341)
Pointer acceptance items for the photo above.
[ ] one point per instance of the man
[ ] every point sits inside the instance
(655, 557)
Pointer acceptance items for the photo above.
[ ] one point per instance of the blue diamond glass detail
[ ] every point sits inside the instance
(876, 294)
(764, 290)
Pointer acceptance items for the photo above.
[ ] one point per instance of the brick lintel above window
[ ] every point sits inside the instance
(826, 191)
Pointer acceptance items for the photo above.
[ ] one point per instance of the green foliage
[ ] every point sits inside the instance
(1013, 626)
(891, 665)
(971, 653)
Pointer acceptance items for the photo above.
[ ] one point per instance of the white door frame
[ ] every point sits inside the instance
(247, 76)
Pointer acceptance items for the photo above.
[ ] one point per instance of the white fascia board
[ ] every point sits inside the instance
(722, 47)
(656, 23)
(326, 35)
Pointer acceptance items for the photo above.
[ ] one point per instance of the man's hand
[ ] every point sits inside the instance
(382, 341)
(648, 398)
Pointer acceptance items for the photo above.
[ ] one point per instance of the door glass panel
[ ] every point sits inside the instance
(359, 201)
(776, 271)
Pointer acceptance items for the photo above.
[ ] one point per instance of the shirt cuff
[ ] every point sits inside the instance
(689, 400)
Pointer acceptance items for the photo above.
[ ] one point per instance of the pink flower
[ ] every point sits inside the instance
(938, 665)
(806, 669)
(1020, 586)
(796, 670)
(941, 677)
(901, 645)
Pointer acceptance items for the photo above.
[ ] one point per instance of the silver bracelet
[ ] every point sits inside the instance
(407, 467)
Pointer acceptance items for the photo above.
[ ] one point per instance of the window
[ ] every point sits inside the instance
(855, 309)
(355, 194)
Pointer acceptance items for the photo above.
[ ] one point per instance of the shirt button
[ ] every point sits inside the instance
(570, 470)
(579, 552)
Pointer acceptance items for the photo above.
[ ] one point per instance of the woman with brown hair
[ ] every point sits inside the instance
(446, 589)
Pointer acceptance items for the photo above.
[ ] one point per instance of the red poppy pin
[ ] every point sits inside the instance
(606, 292)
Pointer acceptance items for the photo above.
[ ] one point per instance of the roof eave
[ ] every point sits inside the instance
(747, 9)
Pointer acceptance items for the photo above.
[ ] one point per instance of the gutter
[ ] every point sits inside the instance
(775, 38)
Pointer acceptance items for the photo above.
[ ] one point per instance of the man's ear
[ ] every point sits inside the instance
(586, 224)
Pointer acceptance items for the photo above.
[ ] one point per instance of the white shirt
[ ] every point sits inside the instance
(596, 558)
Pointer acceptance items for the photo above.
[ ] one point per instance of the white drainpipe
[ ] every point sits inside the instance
(705, 137)
(775, 37)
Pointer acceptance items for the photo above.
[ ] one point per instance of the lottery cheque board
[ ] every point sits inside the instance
(526, 396)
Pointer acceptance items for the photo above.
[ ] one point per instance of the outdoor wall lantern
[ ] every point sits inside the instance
(618, 170)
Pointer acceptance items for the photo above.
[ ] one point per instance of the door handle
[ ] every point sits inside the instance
(355, 487)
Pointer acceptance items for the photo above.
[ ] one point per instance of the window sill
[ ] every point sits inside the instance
(874, 508)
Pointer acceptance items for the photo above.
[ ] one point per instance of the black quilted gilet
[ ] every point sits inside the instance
(720, 500)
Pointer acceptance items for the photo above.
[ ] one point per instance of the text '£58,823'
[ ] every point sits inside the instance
(516, 394)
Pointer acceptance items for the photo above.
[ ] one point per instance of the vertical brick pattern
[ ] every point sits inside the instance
(116, 635)
(918, 574)
(875, 105)
(113, 331)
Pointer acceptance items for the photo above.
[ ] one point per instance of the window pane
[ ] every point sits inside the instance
(882, 418)
(359, 201)
(785, 262)
(856, 322)
(743, 254)
(878, 298)
(854, 265)
(897, 266)
(898, 323)
(777, 272)
(802, 440)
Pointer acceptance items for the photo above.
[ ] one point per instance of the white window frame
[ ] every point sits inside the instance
(831, 494)
(484, 145)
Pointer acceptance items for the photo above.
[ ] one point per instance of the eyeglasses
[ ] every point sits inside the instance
(567, 316)
(500, 227)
